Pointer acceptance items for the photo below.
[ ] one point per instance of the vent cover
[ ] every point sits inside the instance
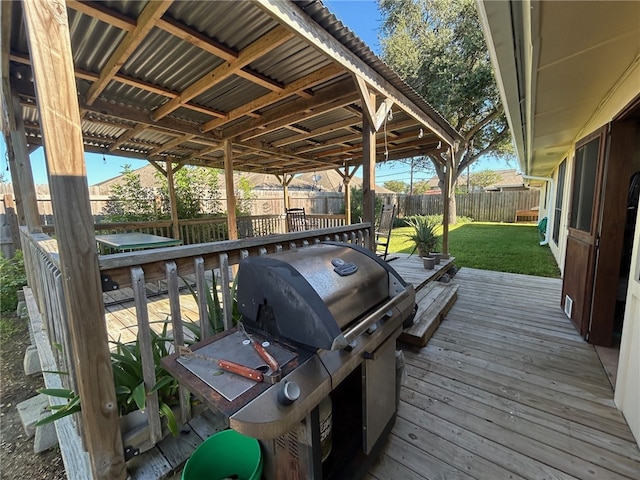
(568, 305)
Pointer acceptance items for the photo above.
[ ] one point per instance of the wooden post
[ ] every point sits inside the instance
(12, 223)
(47, 29)
(285, 181)
(19, 162)
(346, 181)
(232, 224)
(369, 174)
(173, 201)
(445, 207)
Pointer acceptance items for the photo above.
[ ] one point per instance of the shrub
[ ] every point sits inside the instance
(12, 278)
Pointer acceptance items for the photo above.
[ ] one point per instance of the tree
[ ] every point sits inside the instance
(129, 201)
(484, 178)
(396, 186)
(244, 196)
(421, 187)
(197, 191)
(438, 48)
(357, 201)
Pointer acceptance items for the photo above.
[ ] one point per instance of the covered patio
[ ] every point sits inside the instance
(263, 86)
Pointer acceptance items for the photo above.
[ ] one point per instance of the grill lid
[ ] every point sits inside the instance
(308, 295)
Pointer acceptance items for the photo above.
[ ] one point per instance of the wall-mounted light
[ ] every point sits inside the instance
(420, 134)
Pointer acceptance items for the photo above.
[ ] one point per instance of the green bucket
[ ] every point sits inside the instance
(227, 454)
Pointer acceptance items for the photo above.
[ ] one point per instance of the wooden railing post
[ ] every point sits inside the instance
(47, 29)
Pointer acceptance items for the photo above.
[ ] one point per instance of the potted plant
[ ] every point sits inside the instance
(424, 234)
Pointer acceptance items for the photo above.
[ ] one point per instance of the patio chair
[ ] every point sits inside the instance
(383, 230)
(296, 220)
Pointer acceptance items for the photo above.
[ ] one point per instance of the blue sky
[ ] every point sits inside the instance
(361, 16)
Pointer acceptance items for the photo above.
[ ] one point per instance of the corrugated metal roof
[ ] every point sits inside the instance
(166, 62)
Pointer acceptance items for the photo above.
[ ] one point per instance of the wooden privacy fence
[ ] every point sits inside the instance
(134, 271)
(481, 206)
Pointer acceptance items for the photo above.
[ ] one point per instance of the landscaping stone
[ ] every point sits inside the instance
(31, 361)
(32, 410)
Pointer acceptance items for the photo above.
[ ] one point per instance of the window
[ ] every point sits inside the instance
(557, 215)
(584, 182)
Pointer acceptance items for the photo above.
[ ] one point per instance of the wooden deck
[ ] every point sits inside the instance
(507, 389)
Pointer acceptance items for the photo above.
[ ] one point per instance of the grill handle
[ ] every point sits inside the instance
(354, 332)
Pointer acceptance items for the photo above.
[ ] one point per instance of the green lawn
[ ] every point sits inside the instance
(501, 247)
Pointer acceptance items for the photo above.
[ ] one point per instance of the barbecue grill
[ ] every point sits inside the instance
(330, 314)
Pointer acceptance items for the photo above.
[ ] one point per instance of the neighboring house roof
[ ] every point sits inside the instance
(564, 69)
(325, 181)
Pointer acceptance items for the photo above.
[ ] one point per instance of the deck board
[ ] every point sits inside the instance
(507, 384)
(505, 388)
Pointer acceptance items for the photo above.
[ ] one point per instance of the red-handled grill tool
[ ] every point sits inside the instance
(226, 365)
(266, 356)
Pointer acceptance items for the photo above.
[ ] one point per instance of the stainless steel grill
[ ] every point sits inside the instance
(336, 310)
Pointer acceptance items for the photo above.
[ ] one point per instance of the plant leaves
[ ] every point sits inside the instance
(139, 396)
(172, 423)
(58, 392)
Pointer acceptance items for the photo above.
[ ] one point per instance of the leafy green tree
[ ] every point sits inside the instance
(438, 47)
(484, 178)
(421, 187)
(197, 191)
(357, 202)
(130, 201)
(396, 186)
(244, 196)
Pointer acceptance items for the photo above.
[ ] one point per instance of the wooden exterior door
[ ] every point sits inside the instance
(582, 239)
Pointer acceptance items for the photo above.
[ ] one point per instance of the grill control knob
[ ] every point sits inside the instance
(372, 328)
(289, 393)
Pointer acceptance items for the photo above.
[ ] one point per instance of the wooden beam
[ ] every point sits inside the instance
(368, 99)
(380, 141)
(260, 47)
(289, 14)
(96, 10)
(5, 37)
(383, 112)
(179, 30)
(149, 16)
(170, 144)
(445, 201)
(318, 131)
(357, 137)
(197, 39)
(47, 29)
(19, 162)
(232, 222)
(173, 201)
(145, 86)
(369, 176)
(346, 182)
(270, 98)
(292, 109)
(319, 108)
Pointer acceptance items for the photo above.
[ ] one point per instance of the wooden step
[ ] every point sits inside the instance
(434, 301)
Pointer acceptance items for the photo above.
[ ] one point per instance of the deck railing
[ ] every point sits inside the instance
(213, 229)
(136, 269)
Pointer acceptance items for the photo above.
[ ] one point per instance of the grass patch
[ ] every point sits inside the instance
(501, 247)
